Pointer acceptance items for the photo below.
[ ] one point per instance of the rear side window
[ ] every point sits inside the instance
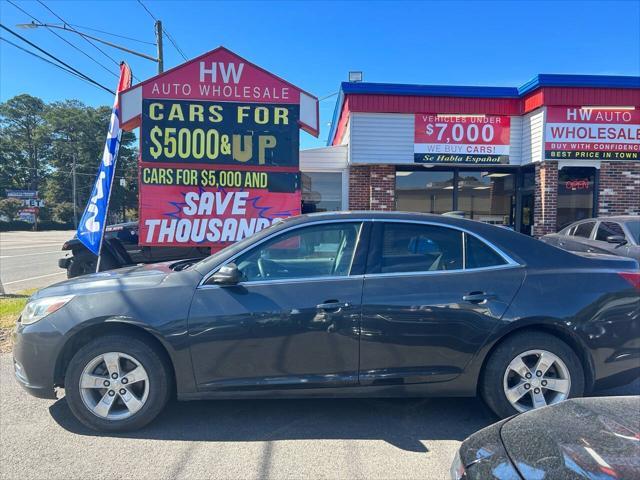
(480, 255)
(584, 229)
(608, 229)
(419, 248)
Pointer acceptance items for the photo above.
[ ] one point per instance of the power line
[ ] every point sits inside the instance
(65, 40)
(78, 72)
(112, 34)
(85, 38)
(173, 42)
(45, 60)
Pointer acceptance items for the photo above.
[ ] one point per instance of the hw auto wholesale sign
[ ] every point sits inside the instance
(219, 150)
(468, 139)
(597, 134)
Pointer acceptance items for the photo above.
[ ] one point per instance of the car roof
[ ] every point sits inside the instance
(614, 218)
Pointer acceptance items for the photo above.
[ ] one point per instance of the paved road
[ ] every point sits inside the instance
(30, 259)
(279, 439)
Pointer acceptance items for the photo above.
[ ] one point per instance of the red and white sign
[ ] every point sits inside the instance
(220, 75)
(210, 216)
(592, 133)
(478, 139)
(219, 150)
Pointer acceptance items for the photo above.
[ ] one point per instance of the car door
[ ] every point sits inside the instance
(432, 294)
(579, 240)
(608, 229)
(293, 321)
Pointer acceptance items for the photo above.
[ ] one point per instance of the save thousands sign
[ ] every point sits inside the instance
(219, 150)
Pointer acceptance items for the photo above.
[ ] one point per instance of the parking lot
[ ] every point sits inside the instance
(323, 438)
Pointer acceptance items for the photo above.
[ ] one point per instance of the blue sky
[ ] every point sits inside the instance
(315, 44)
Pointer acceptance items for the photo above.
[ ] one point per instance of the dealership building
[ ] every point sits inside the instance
(533, 158)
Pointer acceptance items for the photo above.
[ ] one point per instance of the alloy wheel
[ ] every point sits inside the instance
(114, 386)
(536, 378)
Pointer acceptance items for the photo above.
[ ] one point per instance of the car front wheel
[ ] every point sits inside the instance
(117, 383)
(531, 370)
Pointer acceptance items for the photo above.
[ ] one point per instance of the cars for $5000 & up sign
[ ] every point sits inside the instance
(219, 156)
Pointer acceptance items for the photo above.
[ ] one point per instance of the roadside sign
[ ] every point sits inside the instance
(219, 150)
(468, 139)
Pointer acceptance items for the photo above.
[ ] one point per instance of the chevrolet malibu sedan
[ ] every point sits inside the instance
(357, 304)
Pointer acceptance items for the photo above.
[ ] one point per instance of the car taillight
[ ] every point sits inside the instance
(632, 277)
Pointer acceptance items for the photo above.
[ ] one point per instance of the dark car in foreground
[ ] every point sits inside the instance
(606, 235)
(585, 438)
(119, 249)
(354, 304)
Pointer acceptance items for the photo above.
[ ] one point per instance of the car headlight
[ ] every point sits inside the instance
(38, 309)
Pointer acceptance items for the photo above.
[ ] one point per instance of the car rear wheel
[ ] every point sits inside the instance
(531, 370)
(117, 383)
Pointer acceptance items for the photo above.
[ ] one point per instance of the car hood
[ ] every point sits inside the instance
(136, 276)
(595, 438)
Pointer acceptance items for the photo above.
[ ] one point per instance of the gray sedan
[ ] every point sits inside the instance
(607, 235)
(353, 304)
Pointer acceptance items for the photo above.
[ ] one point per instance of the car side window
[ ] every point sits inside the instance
(315, 251)
(608, 229)
(480, 255)
(584, 229)
(419, 248)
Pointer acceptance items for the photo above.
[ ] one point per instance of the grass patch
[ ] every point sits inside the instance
(10, 308)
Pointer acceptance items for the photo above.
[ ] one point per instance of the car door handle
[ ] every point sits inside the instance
(332, 305)
(477, 297)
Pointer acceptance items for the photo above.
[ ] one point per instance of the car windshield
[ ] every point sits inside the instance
(634, 230)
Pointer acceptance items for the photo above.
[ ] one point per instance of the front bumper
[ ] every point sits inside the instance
(64, 262)
(35, 351)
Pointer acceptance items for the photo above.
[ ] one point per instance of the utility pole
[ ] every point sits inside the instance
(159, 45)
(73, 188)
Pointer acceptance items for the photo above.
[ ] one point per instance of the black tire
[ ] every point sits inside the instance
(160, 381)
(491, 382)
(83, 263)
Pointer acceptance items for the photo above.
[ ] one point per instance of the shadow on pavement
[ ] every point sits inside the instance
(409, 424)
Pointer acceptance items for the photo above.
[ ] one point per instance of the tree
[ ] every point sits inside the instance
(23, 143)
(78, 135)
(42, 146)
(9, 207)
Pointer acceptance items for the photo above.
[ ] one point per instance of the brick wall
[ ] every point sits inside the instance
(372, 187)
(619, 189)
(546, 198)
(359, 188)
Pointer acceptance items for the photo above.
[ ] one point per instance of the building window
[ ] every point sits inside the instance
(321, 191)
(576, 189)
(427, 192)
(487, 196)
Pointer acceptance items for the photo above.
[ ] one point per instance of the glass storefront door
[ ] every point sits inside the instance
(487, 196)
(576, 194)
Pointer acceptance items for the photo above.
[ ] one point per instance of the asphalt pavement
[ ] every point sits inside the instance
(275, 439)
(30, 259)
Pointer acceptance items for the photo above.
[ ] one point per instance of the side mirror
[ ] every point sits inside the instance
(227, 275)
(617, 239)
